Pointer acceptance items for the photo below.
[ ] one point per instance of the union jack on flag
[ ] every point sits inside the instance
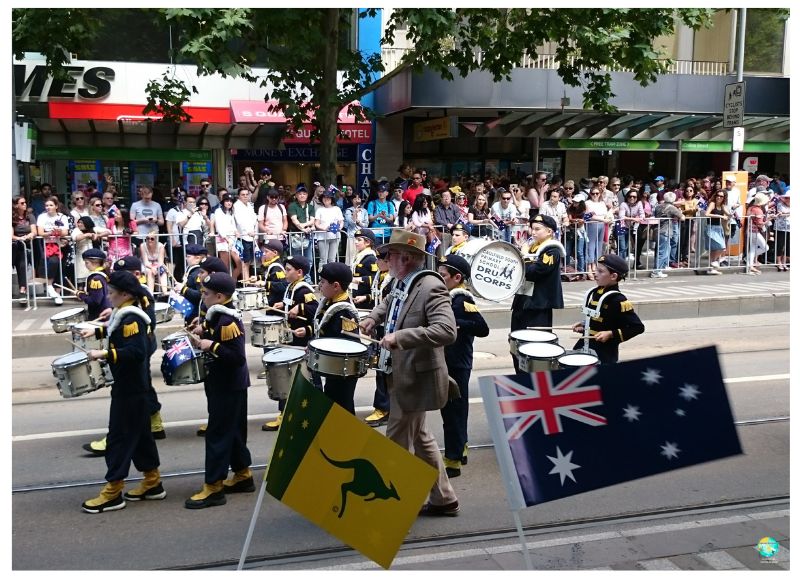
(179, 349)
(548, 403)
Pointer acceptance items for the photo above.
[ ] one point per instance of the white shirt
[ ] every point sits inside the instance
(224, 224)
(508, 213)
(326, 216)
(557, 212)
(174, 216)
(246, 220)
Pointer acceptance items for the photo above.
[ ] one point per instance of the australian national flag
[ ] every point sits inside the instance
(175, 356)
(566, 432)
(180, 304)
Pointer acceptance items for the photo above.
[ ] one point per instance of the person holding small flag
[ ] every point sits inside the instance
(129, 437)
(221, 337)
(337, 314)
(95, 294)
(455, 270)
(609, 315)
(190, 289)
(299, 302)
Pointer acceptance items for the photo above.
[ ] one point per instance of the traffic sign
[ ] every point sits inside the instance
(733, 106)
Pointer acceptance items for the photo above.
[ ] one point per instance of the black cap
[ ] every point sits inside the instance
(274, 245)
(128, 263)
(456, 264)
(459, 228)
(365, 233)
(196, 250)
(300, 187)
(337, 272)
(94, 254)
(213, 264)
(220, 282)
(266, 171)
(299, 263)
(615, 264)
(545, 220)
(125, 281)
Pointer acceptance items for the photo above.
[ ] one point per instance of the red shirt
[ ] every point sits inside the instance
(411, 194)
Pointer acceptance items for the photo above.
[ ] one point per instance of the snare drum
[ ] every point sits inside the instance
(269, 330)
(497, 268)
(280, 364)
(337, 357)
(76, 375)
(190, 372)
(519, 337)
(250, 298)
(63, 320)
(577, 358)
(539, 356)
(164, 312)
(90, 343)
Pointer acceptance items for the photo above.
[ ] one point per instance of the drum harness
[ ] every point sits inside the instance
(118, 314)
(288, 296)
(378, 285)
(319, 322)
(527, 285)
(211, 314)
(398, 301)
(590, 313)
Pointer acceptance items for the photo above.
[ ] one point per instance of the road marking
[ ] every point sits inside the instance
(720, 560)
(655, 564)
(658, 564)
(46, 325)
(25, 324)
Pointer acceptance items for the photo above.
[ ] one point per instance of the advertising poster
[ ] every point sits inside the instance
(83, 171)
(144, 173)
(193, 172)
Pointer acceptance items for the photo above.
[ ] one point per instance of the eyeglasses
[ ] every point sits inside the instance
(151, 239)
(506, 199)
(97, 204)
(615, 185)
(203, 204)
(205, 185)
(541, 179)
(595, 193)
(569, 188)
(79, 198)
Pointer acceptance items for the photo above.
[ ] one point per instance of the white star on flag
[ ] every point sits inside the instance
(680, 412)
(670, 450)
(563, 465)
(689, 392)
(651, 376)
(631, 413)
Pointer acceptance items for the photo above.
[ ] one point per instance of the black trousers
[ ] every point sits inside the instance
(454, 416)
(18, 260)
(226, 436)
(341, 390)
(524, 318)
(129, 438)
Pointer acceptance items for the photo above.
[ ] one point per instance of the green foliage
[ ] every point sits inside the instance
(763, 40)
(167, 98)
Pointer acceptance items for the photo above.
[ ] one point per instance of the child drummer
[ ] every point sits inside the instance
(95, 294)
(365, 269)
(607, 312)
(300, 305)
(221, 337)
(271, 274)
(337, 313)
(190, 289)
(129, 436)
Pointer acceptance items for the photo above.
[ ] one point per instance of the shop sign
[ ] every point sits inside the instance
(434, 129)
(366, 169)
(609, 144)
(94, 82)
(725, 147)
(308, 154)
(123, 154)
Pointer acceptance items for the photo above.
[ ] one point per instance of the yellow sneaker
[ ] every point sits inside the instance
(96, 447)
(240, 482)
(273, 425)
(211, 495)
(110, 499)
(149, 488)
(377, 418)
(201, 432)
(156, 426)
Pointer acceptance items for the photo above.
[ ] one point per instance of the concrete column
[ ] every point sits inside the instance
(388, 146)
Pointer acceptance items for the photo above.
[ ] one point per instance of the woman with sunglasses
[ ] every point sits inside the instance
(204, 213)
(23, 231)
(79, 206)
(152, 253)
(597, 216)
(689, 206)
(100, 220)
(120, 243)
(718, 214)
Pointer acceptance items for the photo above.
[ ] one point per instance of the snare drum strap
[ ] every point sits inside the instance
(218, 309)
(288, 296)
(327, 312)
(589, 312)
(118, 314)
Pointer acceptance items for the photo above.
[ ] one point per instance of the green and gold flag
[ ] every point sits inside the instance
(344, 476)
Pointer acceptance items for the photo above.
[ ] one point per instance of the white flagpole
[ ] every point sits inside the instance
(526, 554)
(252, 527)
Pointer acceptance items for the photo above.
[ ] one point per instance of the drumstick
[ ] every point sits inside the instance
(360, 337)
(76, 345)
(285, 313)
(71, 285)
(549, 328)
(65, 288)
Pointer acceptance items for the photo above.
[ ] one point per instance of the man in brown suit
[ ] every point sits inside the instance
(419, 323)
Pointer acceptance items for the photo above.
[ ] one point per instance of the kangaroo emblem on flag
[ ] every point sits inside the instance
(367, 481)
(549, 403)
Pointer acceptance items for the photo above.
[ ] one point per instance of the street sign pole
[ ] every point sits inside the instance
(732, 95)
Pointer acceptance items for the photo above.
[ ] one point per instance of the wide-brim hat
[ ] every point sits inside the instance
(761, 199)
(405, 240)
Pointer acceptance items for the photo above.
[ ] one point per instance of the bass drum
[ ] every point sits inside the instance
(497, 269)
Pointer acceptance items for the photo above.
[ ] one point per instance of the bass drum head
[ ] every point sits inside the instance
(496, 268)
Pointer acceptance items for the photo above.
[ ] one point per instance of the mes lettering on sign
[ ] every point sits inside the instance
(95, 83)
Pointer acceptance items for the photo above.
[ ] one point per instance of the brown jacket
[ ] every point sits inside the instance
(425, 325)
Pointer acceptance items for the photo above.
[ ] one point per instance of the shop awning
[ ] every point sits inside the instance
(651, 126)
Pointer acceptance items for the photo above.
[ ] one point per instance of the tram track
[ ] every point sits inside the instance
(304, 558)
(54, 486)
